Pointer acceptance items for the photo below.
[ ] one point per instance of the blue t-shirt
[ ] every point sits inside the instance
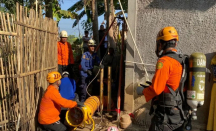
(67, 88)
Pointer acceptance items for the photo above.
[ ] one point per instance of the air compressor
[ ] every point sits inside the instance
(79, 116)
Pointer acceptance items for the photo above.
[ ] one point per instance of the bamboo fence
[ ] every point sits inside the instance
(28, 51)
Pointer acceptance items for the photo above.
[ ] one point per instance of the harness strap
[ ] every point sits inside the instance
(174, 98)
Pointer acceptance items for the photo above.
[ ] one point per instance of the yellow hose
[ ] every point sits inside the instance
(79, 116)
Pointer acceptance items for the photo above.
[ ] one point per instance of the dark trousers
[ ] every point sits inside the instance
(83, 85)
(57, 126)
(170, 120)
(103, 52)
(62, 68)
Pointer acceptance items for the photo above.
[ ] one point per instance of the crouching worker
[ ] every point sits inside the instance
(51, 103)
(67, 90)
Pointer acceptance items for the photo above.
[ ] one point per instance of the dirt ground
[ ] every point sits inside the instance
(107, 122)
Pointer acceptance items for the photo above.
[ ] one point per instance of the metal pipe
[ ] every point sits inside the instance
(109, 78)
(101, 89)
(105, 35)
(139, 63)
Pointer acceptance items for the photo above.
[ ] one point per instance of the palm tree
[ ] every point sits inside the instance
(85, 8)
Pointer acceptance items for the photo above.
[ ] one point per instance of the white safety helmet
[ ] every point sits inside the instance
(63, 34)
(91, 42)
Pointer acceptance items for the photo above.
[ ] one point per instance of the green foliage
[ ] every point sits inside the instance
(58, 13)
(70, 38)
(78, 18)
(85, 5)
(87, 26)
(76, 47)
(10, 5)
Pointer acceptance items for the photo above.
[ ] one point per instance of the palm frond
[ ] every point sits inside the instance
(78, 18)
(77, 6)
(66, 14)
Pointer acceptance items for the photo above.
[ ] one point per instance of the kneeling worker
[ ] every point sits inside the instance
(51, 103)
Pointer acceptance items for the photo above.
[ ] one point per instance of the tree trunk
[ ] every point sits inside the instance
(95, 21)
(49, 10)
(110, 10)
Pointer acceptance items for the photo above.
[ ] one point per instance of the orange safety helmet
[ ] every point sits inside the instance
(53, 76)
(167, 34)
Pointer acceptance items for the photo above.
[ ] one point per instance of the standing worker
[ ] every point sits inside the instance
(88, 60)
(168, 115)
(85, 39)
(65, 54)
(51, 103)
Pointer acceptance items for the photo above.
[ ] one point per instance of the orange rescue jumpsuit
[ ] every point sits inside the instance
(50, 106)
(65, 54)
(168, 72)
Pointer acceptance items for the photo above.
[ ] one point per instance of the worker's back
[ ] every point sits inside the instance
(67, 88)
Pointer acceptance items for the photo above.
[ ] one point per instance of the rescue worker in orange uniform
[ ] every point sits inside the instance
(65, 54)
(168, 114)
(51, 103)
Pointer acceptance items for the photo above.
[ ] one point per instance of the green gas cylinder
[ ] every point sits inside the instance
(196, 87)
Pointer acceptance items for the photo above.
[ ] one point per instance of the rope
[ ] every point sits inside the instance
(134, 41)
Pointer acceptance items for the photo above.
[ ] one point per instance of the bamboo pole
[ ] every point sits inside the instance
(18, 31)
(109, 78)
(5, 81)
(101, 90)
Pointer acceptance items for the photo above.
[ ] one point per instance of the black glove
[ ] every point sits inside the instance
(80, 104)
(89, 72)
(145, 86)
(148, 82)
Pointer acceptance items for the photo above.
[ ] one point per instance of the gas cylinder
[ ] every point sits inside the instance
(196, 87)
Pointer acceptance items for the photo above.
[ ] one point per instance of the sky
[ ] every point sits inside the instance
(66, 24)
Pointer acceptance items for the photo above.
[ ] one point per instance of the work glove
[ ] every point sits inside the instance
(142, 87)
(140, 90)
(89, 72)
(80, 104)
